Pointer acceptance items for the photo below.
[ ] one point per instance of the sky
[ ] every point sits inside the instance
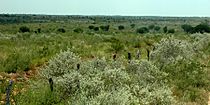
(184, 8)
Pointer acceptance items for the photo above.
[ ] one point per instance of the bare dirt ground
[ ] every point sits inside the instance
(209, 99)
(18, 79)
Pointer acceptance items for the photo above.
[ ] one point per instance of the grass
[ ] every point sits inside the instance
(22, 52)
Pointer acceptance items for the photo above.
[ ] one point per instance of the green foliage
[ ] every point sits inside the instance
(38, 94)
(24, 29)
(132, 25)
(157, 28)
(62, 30)
(57, 65)
(101, 82)
(171, 31)
(105, 28)
(39, 30)
(121, 27)
(151, 26)
(91, 27)
(170, 50)
(185, 73)
(165, 29)
(201, 28)
(17, 61)
(116, 47)
(96, 29)
(142, 30)
(78, 30)
(187, 28)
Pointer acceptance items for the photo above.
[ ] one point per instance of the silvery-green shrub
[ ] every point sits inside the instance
(61, 64)
(170, 50)
(102, 82)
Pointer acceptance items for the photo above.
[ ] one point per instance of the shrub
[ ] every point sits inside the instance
(17, 61)
(165, 29)
(61, 30)
(202, 28)
(142, 30)
(39, 30)
(24, 29)
(171, 50)
(156, 28)
(177, 58)
(78, 30)
(91, 27)
(117, 46)
(96, 29)
(187, 28)
(61, 64)
(121, 27)
(101, 82)
(151, 26)
(133, 25)
(105, 28)
(171, 31)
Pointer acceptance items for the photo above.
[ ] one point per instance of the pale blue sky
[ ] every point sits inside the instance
(108, 7)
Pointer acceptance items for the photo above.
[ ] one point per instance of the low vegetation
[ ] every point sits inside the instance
(105, 60)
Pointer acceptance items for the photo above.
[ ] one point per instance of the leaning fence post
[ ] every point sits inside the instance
(51, 84)
(138, 54)
(114, 57)
(78, 66)
(129, 57)
(148, 52)
(8, 90)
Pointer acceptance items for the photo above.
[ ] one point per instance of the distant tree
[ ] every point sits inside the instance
(201, 28)
(78, 30)
(121, 27)
(165, 29)
(187, 28)
(91, 27)
(24, 29)
(171, 31)
(39, 30)
(61, 30)
(105, 28)
(156, 28)
(96, 29)
(142, 30)
(151, 26)
(133, 25)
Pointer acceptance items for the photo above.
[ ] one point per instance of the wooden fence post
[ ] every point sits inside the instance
(8, 91)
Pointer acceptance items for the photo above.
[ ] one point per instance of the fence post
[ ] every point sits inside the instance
(148, 52)
(138, 54)
(51, 84)
(129, 57)
(114, 57)
(8, 91)
(78, 66)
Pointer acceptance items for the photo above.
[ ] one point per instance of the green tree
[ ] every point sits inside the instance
(156, 28)
(121, 27)
(165, 29)
(142, 30)
(171, 31)
(187, 28)
(151, 26)
(24, 29)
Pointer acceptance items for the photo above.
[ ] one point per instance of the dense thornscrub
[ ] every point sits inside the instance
(171, 76)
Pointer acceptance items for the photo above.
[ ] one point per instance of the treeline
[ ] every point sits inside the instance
(32, 18)
(201, 28)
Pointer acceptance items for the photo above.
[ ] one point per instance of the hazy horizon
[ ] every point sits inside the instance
(171, 8)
